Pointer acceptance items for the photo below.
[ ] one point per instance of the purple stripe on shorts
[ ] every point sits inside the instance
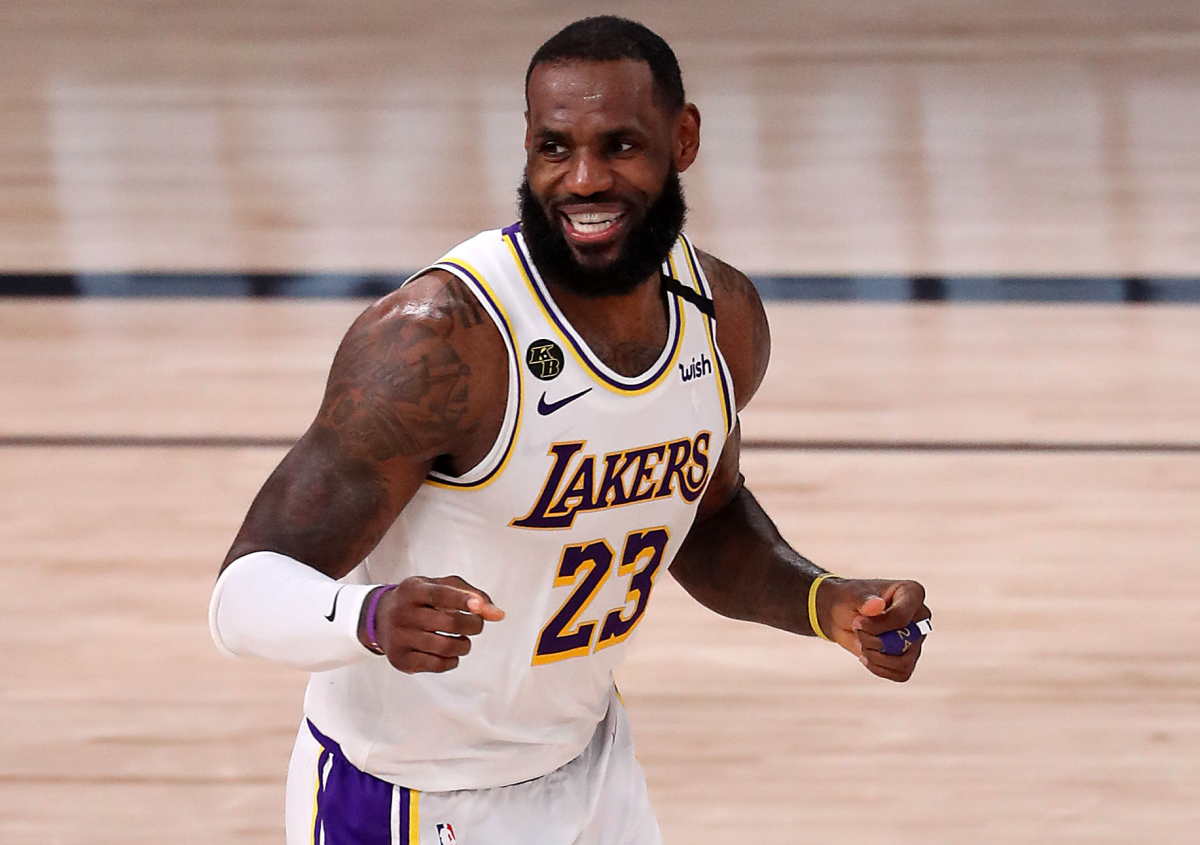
(353, 807)
(405, 815)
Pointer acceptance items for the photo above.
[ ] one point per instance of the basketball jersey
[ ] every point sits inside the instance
(583, 501)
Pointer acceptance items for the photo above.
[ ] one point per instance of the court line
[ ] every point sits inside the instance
(842, 288)
(134, 441)
(138, 441)
(34, 778)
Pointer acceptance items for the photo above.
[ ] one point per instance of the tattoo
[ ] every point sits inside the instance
(400, 389)
(463, 303)
(328, 515)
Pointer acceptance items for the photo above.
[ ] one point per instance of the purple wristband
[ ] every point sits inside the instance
(372, 637)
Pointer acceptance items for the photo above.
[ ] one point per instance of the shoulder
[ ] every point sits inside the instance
(418, 371)
(435, 308)
(742, 331)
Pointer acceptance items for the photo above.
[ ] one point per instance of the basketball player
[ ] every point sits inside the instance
(511, 449)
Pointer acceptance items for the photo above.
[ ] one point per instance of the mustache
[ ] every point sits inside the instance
(650, 238)
(605, 197)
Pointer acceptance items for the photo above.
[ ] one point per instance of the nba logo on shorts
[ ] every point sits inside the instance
(446, 835)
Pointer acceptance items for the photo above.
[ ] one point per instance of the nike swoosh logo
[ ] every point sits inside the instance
(333, 612)
(545, 409)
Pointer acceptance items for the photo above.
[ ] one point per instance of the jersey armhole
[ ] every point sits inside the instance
(710, 325)
(497, 457)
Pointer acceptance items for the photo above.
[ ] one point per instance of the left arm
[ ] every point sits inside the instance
(734, 560)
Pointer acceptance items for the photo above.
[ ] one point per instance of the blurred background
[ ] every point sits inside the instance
(977, 226)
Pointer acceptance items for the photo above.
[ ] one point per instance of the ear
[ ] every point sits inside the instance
(687, 137)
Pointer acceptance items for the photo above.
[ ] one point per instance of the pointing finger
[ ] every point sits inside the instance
(443, 597)
(478, 604)
(474, 600)
(447, 621)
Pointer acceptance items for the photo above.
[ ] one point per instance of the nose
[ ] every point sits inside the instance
(588, 174)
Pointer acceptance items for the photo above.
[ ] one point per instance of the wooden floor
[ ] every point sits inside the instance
(900, 136)
(1058, 698)
(1056, 702)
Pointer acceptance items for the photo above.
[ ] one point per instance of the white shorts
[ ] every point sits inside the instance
(599, 798)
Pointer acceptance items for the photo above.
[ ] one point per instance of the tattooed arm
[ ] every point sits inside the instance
(420, 377)
(734, 559)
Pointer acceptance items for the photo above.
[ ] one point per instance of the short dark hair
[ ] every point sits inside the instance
(608, 38)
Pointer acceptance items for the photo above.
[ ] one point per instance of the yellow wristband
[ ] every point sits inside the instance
(812, 604)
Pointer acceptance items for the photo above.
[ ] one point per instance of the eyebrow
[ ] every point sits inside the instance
(548, 133)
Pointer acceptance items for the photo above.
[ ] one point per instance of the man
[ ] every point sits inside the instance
(510, 449)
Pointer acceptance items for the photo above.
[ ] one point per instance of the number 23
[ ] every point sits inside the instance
(590, 564)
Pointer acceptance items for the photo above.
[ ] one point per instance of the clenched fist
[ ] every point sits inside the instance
(853, 613)
(425, 624)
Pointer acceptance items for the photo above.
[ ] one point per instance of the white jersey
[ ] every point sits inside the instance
(583, 501)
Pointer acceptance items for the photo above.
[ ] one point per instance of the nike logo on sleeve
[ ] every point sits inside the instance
(546, 408)
(333, 612)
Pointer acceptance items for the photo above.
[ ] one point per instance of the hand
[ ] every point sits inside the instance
(854, 613)
(424, 624)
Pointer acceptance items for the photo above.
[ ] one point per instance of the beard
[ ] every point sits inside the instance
(646, 245)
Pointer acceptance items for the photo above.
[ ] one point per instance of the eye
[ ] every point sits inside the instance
(620, 147)
(553, 150)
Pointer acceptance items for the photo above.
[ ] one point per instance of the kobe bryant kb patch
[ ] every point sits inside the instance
(544, 359)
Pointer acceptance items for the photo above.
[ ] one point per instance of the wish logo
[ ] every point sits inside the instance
(699, 367)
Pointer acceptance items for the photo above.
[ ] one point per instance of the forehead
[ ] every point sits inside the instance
(565, 94)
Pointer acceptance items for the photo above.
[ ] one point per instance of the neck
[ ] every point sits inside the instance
(627, 332)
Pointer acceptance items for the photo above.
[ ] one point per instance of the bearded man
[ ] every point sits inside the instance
(511, 448)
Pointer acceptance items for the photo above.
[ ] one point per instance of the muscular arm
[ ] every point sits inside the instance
(420, 380)
(734, 560)
(420, 376)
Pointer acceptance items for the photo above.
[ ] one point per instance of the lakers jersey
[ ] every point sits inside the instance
(582, 503)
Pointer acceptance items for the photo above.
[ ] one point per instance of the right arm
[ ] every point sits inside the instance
(421, 377)
(734, 559)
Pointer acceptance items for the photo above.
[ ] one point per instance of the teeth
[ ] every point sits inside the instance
(592, 222)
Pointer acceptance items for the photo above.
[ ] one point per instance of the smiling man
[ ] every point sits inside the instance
(511, 449)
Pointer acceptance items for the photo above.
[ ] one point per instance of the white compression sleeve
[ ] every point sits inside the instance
(269, 605)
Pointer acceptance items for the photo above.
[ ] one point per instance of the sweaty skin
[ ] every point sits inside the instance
(421, 380)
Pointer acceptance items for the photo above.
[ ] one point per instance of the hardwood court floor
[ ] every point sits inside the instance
(1056, 701)
(882, 136)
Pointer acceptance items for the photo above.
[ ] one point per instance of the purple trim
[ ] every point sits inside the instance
(710, 325)
(372, 638)
(481, 289)
(580, 348)
(353, 807)
(405, 816)
(511, 229)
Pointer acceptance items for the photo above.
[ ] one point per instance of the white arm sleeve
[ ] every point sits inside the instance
(269, 605)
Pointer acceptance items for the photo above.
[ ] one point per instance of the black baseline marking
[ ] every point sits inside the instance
(133, 441)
